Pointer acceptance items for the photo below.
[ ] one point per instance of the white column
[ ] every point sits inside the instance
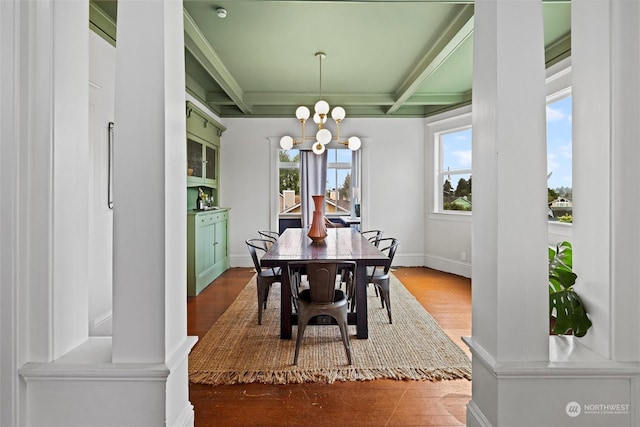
(149, 246)
(606, 96)
(625, 200)
(9, 149)
(149, 312)
(510, 294)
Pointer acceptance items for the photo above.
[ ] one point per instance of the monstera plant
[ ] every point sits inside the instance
(567, 312)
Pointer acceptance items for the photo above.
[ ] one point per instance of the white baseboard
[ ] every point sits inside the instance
(186, 417)
(475, 418)
(448, 265)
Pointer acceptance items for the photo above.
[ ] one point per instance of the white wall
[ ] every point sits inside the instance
(393, 155)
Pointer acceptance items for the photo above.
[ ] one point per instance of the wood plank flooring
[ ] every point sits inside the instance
(369, 403)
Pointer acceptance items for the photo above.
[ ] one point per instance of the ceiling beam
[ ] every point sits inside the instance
(460, 29)
(204, 53)
(438, 98)
(343, 99)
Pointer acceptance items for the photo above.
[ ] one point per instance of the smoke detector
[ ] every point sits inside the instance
(222, 12)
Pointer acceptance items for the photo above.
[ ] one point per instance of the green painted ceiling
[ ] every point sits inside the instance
(384, 58)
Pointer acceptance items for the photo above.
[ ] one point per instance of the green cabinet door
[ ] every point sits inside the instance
(207, 248)
(220, 252)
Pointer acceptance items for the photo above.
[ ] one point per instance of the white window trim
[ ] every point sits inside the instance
(448, 122)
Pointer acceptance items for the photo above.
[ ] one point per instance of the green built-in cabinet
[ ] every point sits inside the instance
(207, 231)
(207, 248)
(203, 148)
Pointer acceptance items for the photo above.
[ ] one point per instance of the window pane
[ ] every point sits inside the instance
(456, 150)
(456, 192)
(331, 155)
(559, 154)
(343, 156)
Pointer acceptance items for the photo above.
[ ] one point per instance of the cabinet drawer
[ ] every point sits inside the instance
(204, 219)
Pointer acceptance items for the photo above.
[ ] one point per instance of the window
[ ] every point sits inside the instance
(339, 186)
(453, 157)
(289, 181)
(338, 197)
(559, 148)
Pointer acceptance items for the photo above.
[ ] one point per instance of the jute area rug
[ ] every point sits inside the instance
(237, 350)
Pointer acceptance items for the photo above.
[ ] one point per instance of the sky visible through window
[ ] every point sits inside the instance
(456, 150)
(559, 143)
(336, 177)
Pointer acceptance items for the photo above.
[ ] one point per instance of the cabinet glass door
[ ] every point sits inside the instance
(194, 158)
(211, 159)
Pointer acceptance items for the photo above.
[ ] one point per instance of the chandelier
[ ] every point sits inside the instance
(323, 135)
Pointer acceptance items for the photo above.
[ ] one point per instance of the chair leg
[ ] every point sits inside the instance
(260, 304)
(302, 325)
(262, 290)
(345, 339)
(385, 296)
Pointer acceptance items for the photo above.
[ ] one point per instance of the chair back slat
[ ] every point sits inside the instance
(322, 282)
(257, 248)
(373, 236)
(389, 245)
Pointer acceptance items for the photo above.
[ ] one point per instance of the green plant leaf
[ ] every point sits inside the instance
(570, 313)
(564, 278)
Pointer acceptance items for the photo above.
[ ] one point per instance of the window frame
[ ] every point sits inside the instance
(459, 120)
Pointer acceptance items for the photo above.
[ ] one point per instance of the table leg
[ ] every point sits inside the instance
(285, 304)
(362, 326)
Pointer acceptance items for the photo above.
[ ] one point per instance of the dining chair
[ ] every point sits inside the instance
(270, 236)
(373, 236)
(265, 277)
(379, 275)
(321, 298)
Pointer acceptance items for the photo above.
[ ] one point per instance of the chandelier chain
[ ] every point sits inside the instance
(320, 76)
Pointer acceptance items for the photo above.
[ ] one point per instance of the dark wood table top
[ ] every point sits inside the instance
(342, 243)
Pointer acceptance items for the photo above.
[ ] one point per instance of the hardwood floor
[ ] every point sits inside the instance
(373, 403)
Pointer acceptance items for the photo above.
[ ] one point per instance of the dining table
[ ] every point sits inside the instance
(341, 244)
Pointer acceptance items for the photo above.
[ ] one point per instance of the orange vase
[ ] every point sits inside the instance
(318, 230)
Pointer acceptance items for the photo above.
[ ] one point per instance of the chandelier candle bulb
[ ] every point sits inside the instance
(302, 113)
(318, 148)
(354, 143)
(322, 107)
(338, 114)
(286, 142)
(324, 136)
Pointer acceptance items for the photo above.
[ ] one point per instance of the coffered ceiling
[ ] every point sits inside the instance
(383, 58)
